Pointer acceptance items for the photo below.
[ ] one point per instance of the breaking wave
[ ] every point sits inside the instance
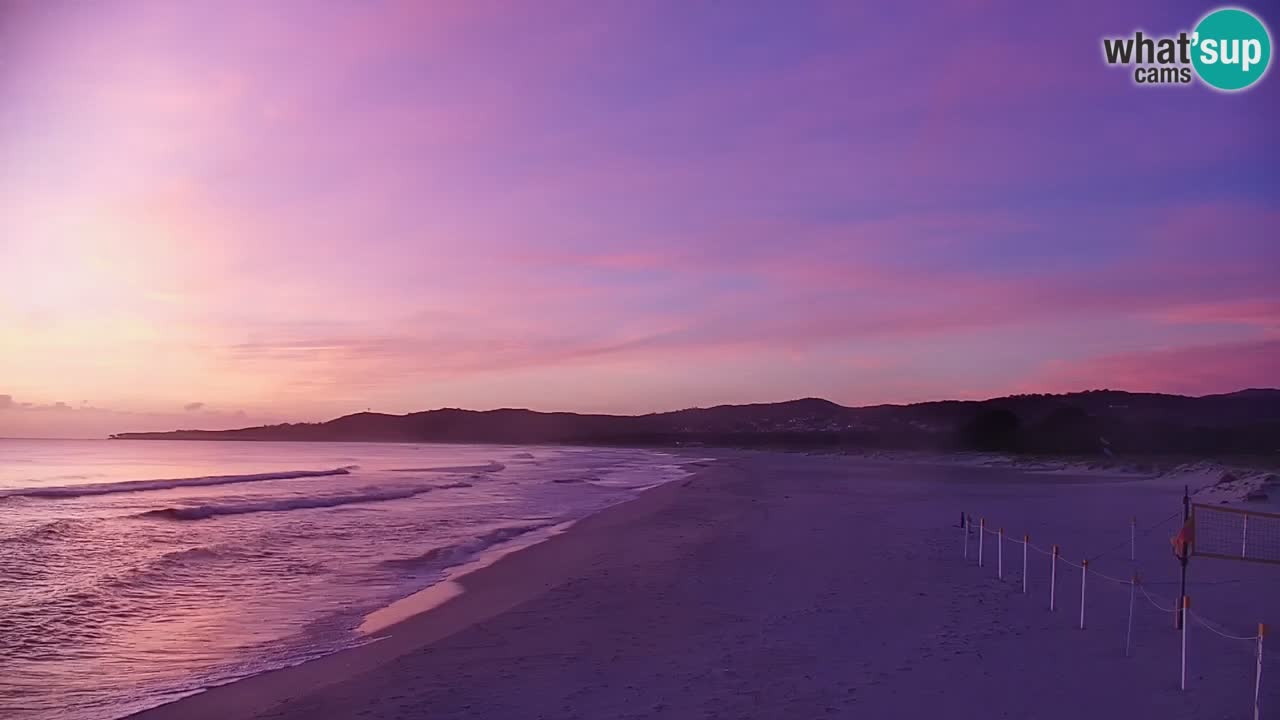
(446, 555)
(59, 530)
(191, 556)
(61, 491)
(203, 512)
(490, 467)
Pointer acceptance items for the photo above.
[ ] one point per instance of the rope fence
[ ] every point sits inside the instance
(1153, 602)
(1135, 584)
(1215, 631)
(1132, 542)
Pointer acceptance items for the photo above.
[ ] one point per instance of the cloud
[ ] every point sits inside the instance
(193, 406)
(60, 419)
(1190, 370)
(817, 287)
(1262, 313)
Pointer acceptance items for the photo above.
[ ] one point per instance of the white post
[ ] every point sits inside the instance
(1244, 535)
(1186, 603)
(1257, 679)
(964, 528)
(1053, 578)
(1133, 539)
(1000, 557)
(1133, 592)
(982, 536)
(1026, 540)
(1084, 575)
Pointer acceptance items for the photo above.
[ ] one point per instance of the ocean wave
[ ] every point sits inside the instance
(491, 467)
(51, 531)
(203, 512)
(191, 556)
(63, 491)
(447, 555)
(453, 485)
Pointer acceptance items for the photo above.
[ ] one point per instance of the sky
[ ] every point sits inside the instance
(219, 214)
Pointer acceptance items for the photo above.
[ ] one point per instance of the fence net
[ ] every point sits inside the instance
(1235, 534)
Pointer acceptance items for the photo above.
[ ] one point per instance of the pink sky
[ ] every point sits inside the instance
(221, 214)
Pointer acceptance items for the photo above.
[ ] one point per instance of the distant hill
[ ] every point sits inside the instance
(1097, 421)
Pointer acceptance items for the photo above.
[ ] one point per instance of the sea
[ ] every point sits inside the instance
(133, 573)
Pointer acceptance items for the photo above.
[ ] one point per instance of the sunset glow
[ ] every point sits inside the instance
(223, 214)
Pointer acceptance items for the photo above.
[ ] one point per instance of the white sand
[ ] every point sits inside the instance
(792, 586)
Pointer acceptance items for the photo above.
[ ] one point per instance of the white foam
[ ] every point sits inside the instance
(492, 466)
(202, 512)
(168, 484)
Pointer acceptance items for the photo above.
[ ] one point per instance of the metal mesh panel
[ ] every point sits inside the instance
(1236, 534)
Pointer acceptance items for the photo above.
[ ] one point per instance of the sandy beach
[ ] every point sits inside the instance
(794, 586)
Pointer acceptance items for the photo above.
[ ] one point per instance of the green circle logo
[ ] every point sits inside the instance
(1232, 49)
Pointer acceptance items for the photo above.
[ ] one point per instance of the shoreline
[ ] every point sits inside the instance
(471, 593)
(794, 586)
(385, 618)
